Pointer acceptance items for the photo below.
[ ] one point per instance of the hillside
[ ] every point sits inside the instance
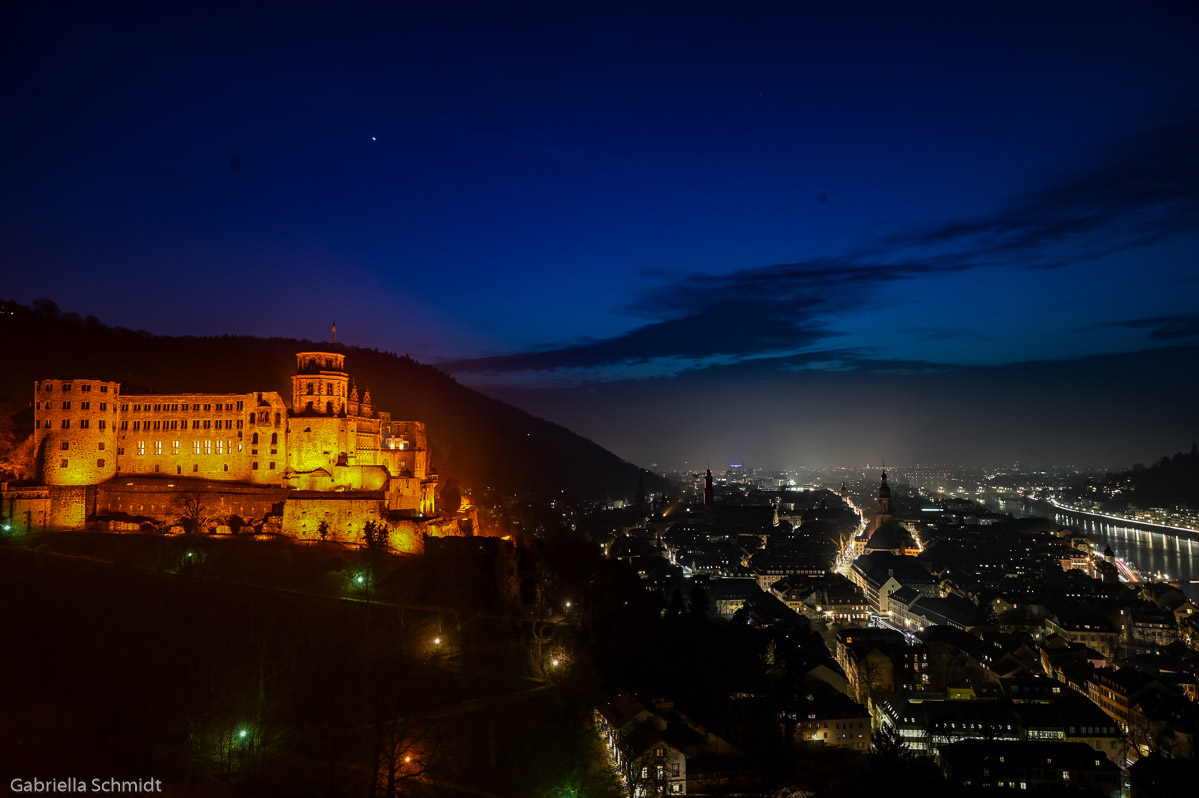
(480, 441)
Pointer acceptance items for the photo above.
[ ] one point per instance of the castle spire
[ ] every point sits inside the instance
(335, 330)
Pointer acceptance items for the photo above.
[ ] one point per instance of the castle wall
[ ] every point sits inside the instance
(159, 499)
(70, 506)
(25, 510)
(74, 433)
(345, 513)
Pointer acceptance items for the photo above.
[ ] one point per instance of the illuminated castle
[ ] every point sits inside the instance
(328, 457)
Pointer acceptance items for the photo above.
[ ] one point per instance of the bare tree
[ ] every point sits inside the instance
(193, 510)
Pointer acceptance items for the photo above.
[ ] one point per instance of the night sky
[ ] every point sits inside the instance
(794, 233)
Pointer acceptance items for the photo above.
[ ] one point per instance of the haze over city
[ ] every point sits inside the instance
(796, 234)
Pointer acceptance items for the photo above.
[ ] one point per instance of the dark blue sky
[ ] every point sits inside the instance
(603, 211)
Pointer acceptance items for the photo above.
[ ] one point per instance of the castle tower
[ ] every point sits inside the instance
(75, 430)
(885, 512)
(320, 385)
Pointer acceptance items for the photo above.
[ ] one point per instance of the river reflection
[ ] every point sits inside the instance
(1149, 552)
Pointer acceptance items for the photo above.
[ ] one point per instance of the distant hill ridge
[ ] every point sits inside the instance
(475, 439)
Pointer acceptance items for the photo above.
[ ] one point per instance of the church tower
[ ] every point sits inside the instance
(709, 496)
(886, 514)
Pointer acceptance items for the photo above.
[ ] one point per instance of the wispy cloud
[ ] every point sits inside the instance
(1138, 192)
(1160, 328)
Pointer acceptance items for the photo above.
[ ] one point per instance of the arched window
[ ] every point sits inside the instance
(274, 439)
(310, 389)
(278, 418)
(254, 439)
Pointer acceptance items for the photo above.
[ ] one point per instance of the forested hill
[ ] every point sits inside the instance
(480, 441)
(1169, 481)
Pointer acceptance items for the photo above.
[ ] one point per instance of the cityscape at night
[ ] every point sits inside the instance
(600, 400)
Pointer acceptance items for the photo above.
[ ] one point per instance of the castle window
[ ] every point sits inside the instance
(84, 423)
(226, 466)
(195, 423)
(255, 467)
(157, 408)
(254, 439)
(100, 463)
(239, 423)
(195, 467)
(229, 423)
(157, 447)
(239, 407)
(174, 447)
(274, 439)
(50, 405)
(207, 424)
(120, 451)
(183, 406)
(124, 425)
(220, 447)
(85, 388)
(125, 408)
(195, 447)
(65, 445)
(137, 424)
(207, 407)
(157, 423)
(310, 389)
(66, 387)
(49, 387)
(66, 405)
(86, 405)
(271, 466)
(278, 418)
(141, 447)
(103, 406)
(103, 389)
(100, 446)
(207, 447)
(66, 423)
(62, 464)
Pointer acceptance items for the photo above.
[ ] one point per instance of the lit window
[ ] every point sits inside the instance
(174, 447)
(157, 447)
(220, 447)
(207, 447)
(141, 447)
(195, 447)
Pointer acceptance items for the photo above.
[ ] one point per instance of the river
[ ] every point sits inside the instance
(1150, 552)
